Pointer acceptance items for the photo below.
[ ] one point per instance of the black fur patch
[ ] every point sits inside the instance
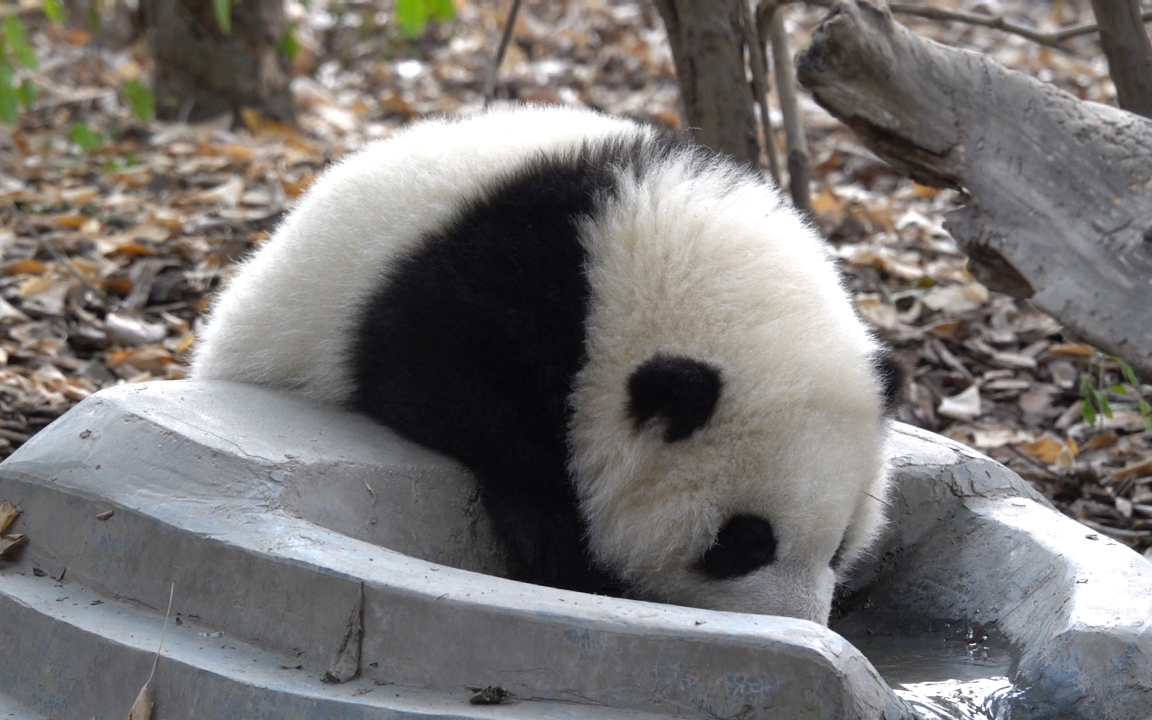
(891, 374)
(681, 391)
(745, 543)
(471, 344)
(838, 556)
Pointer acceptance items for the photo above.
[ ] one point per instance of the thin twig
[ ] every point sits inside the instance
(799, 162)
(510, 23)
(167, 614)
(996, 22)
(754, 41)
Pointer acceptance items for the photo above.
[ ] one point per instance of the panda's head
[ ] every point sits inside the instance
(728, 427)
(726, 499)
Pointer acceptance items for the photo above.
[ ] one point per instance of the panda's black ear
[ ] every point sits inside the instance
(680, 391)
(891, 374)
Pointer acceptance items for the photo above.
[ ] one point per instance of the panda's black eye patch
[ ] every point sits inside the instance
(678, 390)
(744, 544)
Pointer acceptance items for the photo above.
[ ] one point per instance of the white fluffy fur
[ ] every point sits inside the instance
(285, 319)
(715, 268)
(719, 269)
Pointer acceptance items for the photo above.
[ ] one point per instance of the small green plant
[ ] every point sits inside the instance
(85, 136)
(413, 15)
(140, 99)
(1094, 391)
(15, 53)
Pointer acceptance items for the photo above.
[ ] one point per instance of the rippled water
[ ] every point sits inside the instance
(945, 679)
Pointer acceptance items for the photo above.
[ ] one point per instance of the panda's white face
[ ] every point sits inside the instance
(732, 446)
(736, 516)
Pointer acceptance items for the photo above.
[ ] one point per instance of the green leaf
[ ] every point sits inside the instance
(17, 42)
(223, 9)
(411, 15)
(26, 93)
(1128, 373)
(1088, 412)
(289, 45)
(9, 98)
(1085, 385)
(442, 10)
(1102, 403)
(1145, 408)
(54, 10)
(140, 98)
(85, 137)
(1118, 389)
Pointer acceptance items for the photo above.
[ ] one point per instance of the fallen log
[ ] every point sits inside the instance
(1058, 192)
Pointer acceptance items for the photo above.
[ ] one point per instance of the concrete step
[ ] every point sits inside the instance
(274, 516)
(82, 654)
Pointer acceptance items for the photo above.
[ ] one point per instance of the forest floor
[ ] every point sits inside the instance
(111, 255)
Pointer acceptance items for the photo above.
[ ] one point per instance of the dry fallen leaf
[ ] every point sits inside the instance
(129, 330)
(1138, 469)
(1072, 350)
(957, 299)
(1100, 441)
(965, 406)
(8, 513)
(1047, 449)
(9, 543)
(142, 708)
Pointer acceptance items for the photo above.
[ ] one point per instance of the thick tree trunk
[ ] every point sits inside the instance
(1129, 51)
(1059, 191)
(201, 72)
(708, 49)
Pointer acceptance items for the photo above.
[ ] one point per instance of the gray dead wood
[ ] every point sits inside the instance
(708, 50)
(1059, 191)
(1125, 42)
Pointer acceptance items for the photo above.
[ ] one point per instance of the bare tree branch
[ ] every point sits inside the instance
(771, 17)
(494, 69)
(755, 44)
(996, 22)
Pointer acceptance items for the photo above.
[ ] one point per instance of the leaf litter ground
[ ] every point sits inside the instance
(110, 257)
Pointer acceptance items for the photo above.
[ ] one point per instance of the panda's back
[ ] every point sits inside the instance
(291, 314)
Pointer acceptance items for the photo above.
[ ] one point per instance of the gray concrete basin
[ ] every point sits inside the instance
(274, 516)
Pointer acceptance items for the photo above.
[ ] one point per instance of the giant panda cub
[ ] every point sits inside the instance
(641, 351)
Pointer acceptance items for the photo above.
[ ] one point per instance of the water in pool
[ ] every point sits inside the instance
(948, 677)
